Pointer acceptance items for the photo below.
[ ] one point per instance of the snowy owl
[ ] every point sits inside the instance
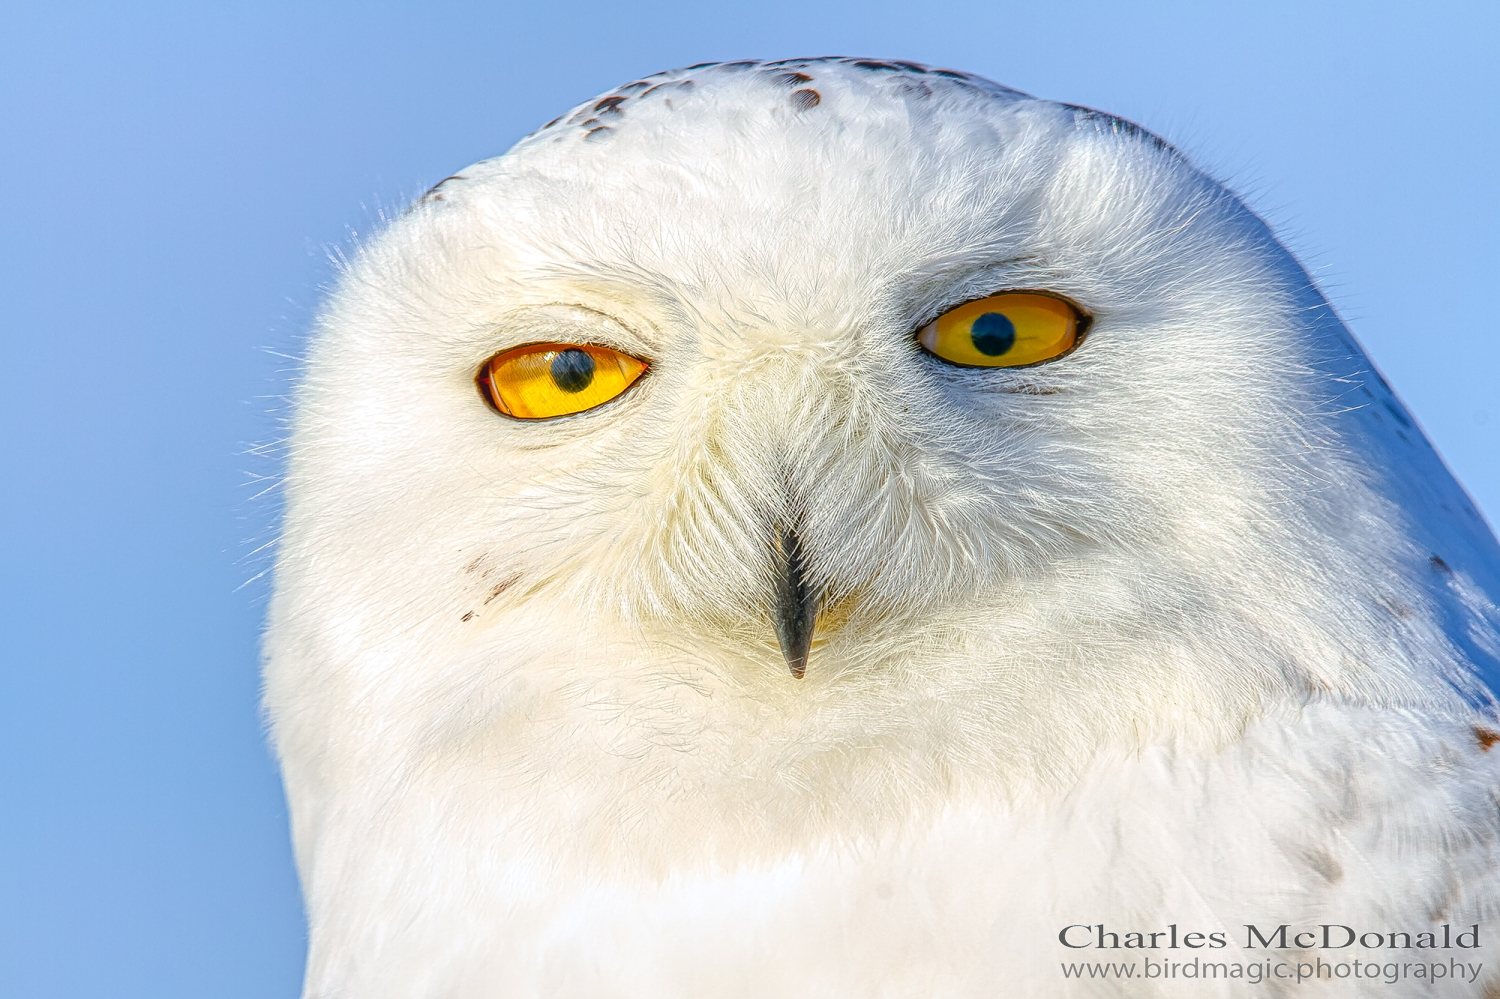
(836, 527)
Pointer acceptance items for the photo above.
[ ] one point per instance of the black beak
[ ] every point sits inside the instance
(794, 604)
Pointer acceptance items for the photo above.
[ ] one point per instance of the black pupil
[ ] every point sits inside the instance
(993, 334)
(573, 370)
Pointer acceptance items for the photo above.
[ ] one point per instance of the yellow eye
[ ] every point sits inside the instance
(542, 380)
(1011, 330)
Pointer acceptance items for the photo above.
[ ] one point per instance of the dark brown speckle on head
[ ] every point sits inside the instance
(803, 100)
(906, 80)
(435, 193)
(502, 586)
(670, 85)
(1101, 121)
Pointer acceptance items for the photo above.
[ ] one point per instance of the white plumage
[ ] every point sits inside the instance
(1184, 628)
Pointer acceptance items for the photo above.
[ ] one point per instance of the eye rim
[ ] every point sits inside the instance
(484, 384)
(1084, 320)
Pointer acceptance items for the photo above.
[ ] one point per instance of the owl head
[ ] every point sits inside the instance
(847, 421)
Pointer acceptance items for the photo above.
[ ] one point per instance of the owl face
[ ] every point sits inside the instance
(720, 365)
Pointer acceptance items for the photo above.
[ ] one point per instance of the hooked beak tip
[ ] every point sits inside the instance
(795, 603)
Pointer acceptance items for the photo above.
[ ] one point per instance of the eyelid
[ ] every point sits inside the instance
(574, 323)
(1086, 318)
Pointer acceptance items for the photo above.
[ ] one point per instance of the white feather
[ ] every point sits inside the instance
(1182, 628)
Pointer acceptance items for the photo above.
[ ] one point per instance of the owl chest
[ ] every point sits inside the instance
(1166, 856)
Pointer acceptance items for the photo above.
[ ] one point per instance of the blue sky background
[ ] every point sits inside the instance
(174, 177)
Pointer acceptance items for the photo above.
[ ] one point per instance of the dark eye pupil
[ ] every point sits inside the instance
(993, 334)
(573, 370)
